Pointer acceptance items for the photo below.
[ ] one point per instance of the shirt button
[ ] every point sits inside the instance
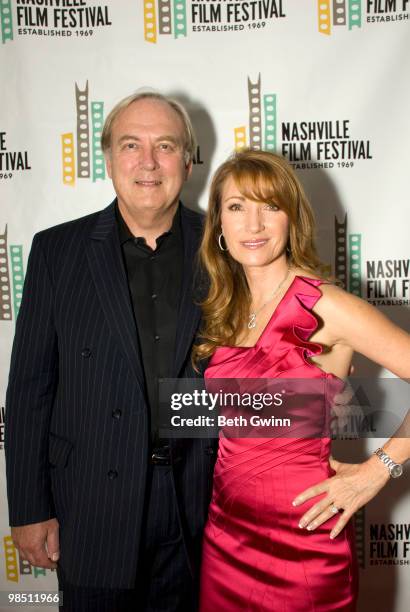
(86, 352)
(116, 414)
(154, 296)
(112, 474)
(153, 257)
(156, 338)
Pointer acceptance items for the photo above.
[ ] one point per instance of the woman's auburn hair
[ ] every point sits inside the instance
(267, 178)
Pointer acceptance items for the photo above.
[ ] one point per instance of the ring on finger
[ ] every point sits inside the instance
(334, 509)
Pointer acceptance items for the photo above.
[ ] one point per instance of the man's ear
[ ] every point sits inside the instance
(107, 156)
(188, 170)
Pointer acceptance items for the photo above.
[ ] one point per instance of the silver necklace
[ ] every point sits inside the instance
(253, 315)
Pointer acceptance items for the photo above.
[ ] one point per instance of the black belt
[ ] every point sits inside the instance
(163, 455)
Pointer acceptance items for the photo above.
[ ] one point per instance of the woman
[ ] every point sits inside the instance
(278, 537)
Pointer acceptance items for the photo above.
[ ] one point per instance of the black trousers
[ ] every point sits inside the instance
(164, 582)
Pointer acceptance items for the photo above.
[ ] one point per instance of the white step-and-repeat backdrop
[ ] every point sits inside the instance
(324, 82)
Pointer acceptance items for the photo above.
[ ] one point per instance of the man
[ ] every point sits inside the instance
(107, 310)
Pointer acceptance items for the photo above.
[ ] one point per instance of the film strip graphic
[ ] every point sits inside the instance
(355, 14)
(83, 132)
(97, 121)
(240, 138)
(165, 18)
(255, 114)
(338, 13)
(5, 286)
(269, 107)
(348, 258)
(10, 557)
(11, 292)
(262, 128)
(26, 569)
(355, 264)
(68, 157)
(360, 529)
(88, 156)
(324, 16)
(16, 566)
(6, 21)
(341, 251)
(2, 426)
(17, 274)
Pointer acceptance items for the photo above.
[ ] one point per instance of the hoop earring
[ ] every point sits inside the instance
(220, 242)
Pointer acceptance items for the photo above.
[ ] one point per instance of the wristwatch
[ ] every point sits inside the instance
(395, 469)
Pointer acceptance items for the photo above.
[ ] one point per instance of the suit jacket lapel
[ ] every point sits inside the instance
(189, 313)
(108, 271)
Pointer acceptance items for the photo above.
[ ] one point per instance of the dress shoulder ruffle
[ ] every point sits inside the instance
(304, 323)
(284, 343)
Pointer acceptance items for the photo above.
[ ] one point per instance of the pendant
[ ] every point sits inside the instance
(252, 320)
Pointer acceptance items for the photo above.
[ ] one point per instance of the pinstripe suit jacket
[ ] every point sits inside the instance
(75, 361)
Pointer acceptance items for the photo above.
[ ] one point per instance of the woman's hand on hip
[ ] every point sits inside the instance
(352, 487)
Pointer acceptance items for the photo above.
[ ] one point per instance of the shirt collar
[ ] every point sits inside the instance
(125, 233)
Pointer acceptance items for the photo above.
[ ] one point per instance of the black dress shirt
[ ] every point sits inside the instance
(154, 281)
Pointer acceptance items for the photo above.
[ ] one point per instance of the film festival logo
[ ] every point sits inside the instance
(350, 14)
(84, 158)
(307, 145)
(11, 161)
(261, 131)
(310, 145)
(381, 544)
(339, 13)
(382, 282)
(56, 18)
(389, 544)
(16, 567)
(178, 18)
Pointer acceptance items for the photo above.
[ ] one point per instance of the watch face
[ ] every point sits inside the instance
(396, 470)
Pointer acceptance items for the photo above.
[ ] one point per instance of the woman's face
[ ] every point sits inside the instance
(255, 233)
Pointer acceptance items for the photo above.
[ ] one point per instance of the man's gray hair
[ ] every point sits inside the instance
(189, 135)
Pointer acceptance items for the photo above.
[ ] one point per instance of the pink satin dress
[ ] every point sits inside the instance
(255, 556)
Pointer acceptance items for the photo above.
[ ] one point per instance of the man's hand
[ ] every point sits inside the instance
(38, 543)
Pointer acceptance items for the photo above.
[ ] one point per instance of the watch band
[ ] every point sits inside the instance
(395, 469)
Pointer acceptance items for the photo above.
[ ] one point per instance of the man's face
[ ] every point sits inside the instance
(146, 159)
